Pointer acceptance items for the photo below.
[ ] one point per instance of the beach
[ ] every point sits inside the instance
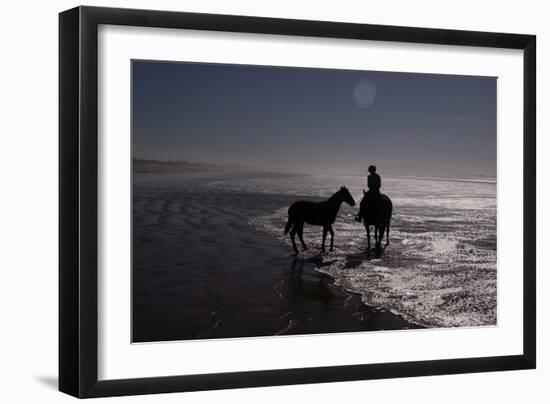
(210, 259)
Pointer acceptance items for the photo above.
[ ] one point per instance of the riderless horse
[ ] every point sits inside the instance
(317, 214)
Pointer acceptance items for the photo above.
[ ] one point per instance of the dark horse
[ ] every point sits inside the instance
(318, 214)
(376, 213)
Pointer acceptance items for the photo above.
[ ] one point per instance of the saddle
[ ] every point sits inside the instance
(371, 205)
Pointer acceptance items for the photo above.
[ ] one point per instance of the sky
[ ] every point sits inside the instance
(306, 120)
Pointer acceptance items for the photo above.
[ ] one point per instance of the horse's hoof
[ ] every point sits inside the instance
(331, 250)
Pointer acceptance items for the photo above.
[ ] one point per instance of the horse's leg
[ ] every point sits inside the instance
(367, 227)
(301, 235)
(388, 233)
(292, 235)
(331, 231)
(376, 242)
(381, 234)
(325, 229)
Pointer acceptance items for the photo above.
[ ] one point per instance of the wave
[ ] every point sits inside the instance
(486, 180)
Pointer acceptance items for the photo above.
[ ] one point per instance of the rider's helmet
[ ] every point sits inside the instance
(372, 169)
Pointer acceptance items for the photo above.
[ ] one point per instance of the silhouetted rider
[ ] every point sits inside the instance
(374, 182)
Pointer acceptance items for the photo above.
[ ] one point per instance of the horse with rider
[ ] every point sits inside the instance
(375, 209)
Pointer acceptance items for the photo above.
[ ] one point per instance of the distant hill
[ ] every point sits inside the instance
(157, 166)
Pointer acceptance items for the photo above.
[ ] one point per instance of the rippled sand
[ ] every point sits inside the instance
(210, 259)
(202, 270)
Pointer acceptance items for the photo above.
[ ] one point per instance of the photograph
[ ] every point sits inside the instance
(272, 200)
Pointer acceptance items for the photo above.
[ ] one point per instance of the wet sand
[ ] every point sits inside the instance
(202, 270)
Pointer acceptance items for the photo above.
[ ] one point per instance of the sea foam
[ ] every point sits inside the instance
(440, 267)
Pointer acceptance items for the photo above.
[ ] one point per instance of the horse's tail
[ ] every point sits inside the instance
(388, 218)
(288, 225)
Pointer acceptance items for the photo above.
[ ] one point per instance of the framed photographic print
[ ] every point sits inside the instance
(251, 201)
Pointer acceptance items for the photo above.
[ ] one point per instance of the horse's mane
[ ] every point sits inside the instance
(335, 195)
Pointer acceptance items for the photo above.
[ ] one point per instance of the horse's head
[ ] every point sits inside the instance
(346, 196)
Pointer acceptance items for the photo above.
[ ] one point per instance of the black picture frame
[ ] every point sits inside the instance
(78, 201)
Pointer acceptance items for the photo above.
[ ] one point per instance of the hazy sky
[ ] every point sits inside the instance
(315, 120)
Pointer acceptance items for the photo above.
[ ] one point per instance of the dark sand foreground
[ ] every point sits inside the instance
(201, 270)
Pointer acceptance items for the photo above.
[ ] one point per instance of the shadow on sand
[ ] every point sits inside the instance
(356, 259)
(317, 305)
(304, 280)
(302, 271)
